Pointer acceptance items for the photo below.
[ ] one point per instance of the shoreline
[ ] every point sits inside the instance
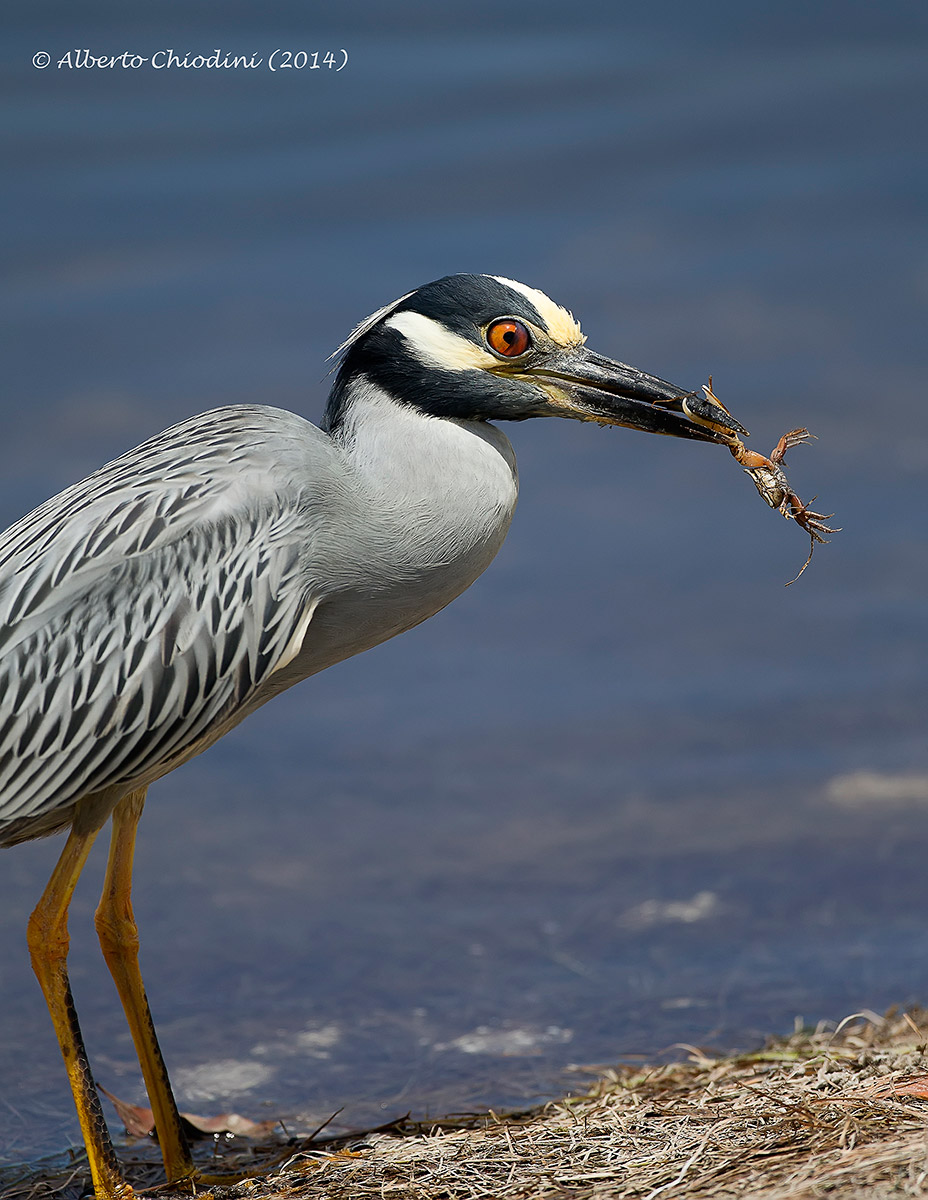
(839, 1111)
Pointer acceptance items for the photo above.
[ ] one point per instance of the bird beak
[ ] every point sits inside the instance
(590, 387)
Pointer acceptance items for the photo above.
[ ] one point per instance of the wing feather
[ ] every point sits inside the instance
(141, 608)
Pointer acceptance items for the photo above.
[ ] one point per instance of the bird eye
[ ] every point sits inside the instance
(509, 338)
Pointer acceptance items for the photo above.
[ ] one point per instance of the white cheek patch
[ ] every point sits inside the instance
(436, 346)
(561, 326)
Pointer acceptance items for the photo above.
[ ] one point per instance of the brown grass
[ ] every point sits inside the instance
(836, 1113)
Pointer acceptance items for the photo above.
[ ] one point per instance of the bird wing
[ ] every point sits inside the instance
(143, 606)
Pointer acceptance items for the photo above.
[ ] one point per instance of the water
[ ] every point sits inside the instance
(589, 811)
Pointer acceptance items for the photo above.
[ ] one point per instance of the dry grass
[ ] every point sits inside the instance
(836, 1113)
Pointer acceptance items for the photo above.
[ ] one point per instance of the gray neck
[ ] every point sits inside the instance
(446, 487)
(427, 504)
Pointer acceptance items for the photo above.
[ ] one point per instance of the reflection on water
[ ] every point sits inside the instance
(626, 792)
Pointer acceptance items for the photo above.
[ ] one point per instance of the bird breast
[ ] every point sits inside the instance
(435, 499)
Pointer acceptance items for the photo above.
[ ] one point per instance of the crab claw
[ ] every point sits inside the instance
(795, 437)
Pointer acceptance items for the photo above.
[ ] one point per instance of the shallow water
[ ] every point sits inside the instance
(590, 810)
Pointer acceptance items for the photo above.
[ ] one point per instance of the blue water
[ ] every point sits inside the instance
(589, 811)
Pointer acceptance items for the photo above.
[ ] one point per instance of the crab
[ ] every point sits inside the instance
(767, 473)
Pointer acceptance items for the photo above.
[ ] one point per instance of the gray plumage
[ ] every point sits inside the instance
(151, 607)
(140, 607)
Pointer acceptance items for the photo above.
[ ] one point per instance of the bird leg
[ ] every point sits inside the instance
(119, 940)
(47, 936)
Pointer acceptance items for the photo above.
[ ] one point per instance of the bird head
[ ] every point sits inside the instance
(479, 347)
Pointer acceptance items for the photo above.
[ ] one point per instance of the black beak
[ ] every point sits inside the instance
(591, 387)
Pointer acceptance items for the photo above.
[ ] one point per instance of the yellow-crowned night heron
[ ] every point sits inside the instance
(148, 609)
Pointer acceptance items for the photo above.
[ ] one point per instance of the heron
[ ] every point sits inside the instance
(149, 608)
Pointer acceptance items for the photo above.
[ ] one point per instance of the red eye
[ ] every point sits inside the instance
(509, 338)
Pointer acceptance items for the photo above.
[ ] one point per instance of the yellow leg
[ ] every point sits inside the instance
(119, 940)
(48, 947)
